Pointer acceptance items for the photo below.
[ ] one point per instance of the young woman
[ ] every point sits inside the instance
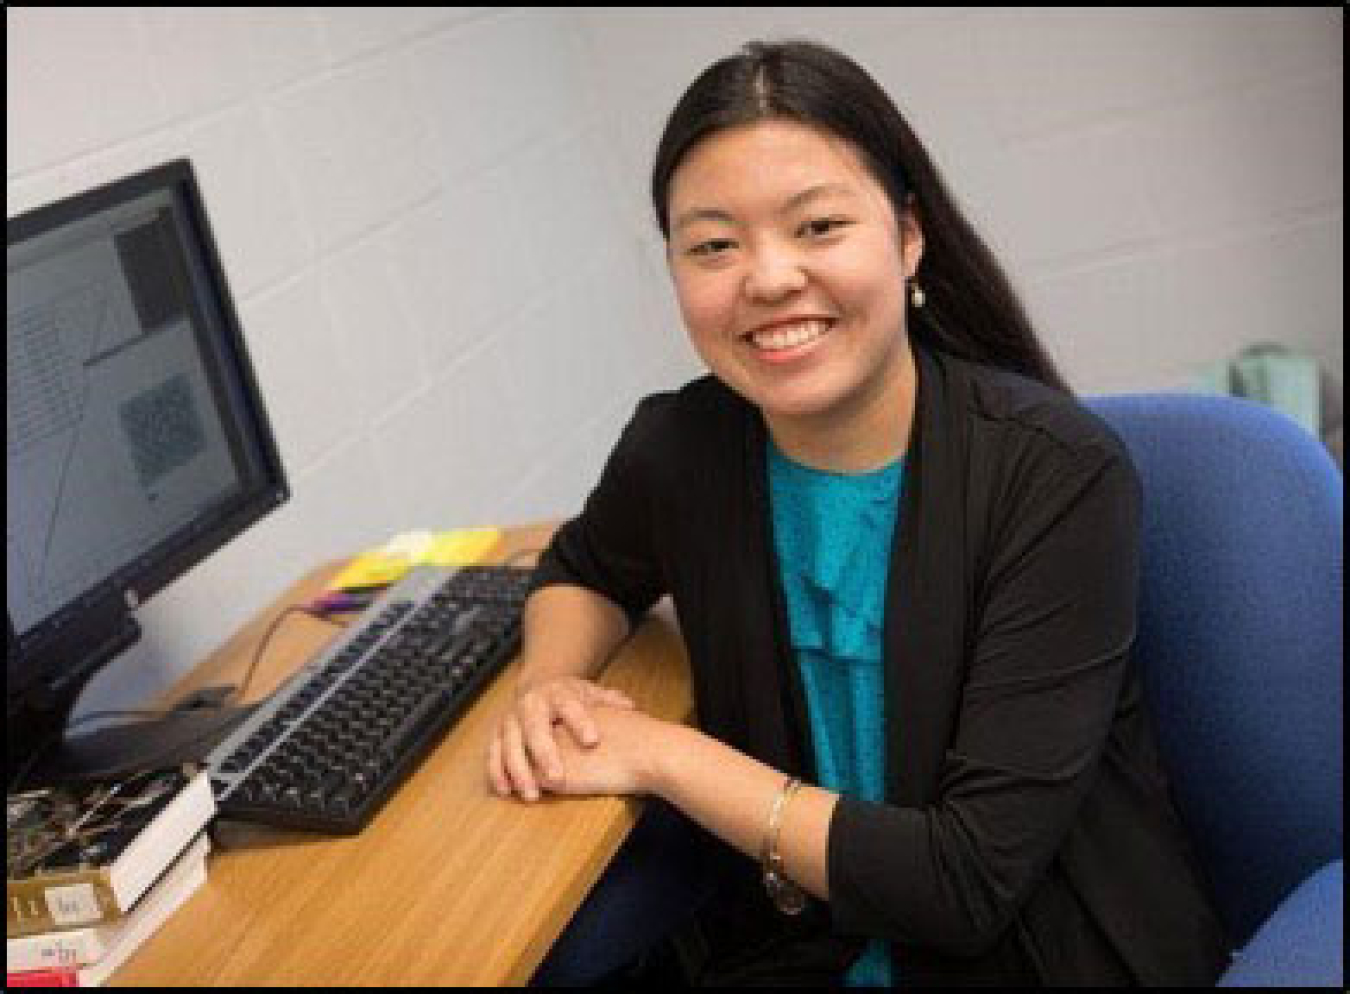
(904, 561)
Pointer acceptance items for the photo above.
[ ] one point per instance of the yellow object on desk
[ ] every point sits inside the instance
(386, 564)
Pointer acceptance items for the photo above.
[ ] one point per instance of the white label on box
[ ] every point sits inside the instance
(73, 905)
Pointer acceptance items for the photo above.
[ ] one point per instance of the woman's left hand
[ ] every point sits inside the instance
(622, 762)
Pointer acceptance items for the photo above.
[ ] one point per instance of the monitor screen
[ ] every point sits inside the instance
(136, 438)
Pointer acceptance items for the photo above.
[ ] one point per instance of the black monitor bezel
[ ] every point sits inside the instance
(49, 663)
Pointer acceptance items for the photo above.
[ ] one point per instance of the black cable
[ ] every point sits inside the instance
(239, 692)
(238, 695)
(16, 781)
(27, 767)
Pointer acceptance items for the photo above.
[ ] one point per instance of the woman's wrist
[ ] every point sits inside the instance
(668, 750)
(530, 674)
(527, 678)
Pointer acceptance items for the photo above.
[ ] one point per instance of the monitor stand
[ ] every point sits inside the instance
(172, 739)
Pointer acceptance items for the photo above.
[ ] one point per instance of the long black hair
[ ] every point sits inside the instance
(970, 309)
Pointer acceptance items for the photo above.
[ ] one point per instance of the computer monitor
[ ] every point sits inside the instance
(136, 438)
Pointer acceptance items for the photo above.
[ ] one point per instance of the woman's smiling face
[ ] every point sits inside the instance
(789, 268)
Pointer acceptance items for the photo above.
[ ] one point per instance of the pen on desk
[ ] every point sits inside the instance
(343, 601)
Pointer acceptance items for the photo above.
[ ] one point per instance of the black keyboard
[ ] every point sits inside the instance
(328, 748)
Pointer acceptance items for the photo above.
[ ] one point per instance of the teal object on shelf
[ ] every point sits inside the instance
(1274, 375)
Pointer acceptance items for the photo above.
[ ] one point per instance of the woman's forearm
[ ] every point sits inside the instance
(568, 631)
(731, 795)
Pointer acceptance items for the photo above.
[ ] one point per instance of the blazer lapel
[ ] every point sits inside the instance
(749, 685)
(924, 630)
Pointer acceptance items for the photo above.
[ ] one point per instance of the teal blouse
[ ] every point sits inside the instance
(832, 533)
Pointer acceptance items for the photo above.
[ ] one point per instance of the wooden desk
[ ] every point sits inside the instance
(448, 885)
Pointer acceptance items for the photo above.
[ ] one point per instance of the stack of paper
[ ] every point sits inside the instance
(388, 563)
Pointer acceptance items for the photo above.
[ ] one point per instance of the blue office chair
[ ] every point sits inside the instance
(1240, 646)
(1241, 653)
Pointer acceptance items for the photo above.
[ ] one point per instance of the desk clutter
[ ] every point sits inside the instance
(358, 584)
(93, 869)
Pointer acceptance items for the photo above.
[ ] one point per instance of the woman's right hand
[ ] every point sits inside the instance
(523, 755)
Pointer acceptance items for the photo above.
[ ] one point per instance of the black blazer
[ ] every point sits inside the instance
(1027, 834)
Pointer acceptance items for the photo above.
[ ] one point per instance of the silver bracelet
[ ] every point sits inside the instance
(786, 895)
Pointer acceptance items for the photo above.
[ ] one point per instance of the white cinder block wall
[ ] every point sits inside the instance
(1164, 186)
(435, 221)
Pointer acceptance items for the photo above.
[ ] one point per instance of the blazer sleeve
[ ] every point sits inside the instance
(1054, 629)
(611, 546)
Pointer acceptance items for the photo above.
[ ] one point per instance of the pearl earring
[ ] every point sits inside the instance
(916, 295)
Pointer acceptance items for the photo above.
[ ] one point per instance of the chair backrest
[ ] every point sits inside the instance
(1240, 638)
